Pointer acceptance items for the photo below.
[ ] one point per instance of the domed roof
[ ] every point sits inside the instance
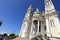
(37, 12)
(36, 15)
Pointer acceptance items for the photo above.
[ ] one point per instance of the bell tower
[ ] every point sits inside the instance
(52, 20)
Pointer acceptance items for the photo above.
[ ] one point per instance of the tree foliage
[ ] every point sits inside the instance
(4, 35)
(12, 34)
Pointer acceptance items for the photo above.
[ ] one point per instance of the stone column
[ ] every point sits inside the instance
(38, 28)
(42, 29)
(48, 27)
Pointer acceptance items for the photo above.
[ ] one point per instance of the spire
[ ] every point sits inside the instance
(26, 22)
(29, 12)
(37, 10)
(49, 6)
(30, 7)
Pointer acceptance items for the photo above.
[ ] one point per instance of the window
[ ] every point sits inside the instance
(45, 27)
(52, 22)
(39, 28)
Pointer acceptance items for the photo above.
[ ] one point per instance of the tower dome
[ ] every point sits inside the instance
(36, 14)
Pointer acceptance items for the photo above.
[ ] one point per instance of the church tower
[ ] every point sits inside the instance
(25, 30)
(36, 27)
(52, 20)
(41, 25)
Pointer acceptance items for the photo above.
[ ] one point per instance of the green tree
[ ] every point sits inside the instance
(4, 35)
(12, 35)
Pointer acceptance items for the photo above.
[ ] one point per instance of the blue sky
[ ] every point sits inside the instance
(12, 13)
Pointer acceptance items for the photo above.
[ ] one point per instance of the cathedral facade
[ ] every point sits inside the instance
(41, 25)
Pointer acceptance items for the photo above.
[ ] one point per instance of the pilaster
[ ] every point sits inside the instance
(48, 27)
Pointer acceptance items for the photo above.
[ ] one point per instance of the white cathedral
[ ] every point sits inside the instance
(41, 25)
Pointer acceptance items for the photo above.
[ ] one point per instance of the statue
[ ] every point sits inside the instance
(47, 0)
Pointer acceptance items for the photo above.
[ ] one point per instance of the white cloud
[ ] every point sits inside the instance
(3, 33)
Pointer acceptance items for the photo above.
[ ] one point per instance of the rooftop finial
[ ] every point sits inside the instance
(37, 10)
